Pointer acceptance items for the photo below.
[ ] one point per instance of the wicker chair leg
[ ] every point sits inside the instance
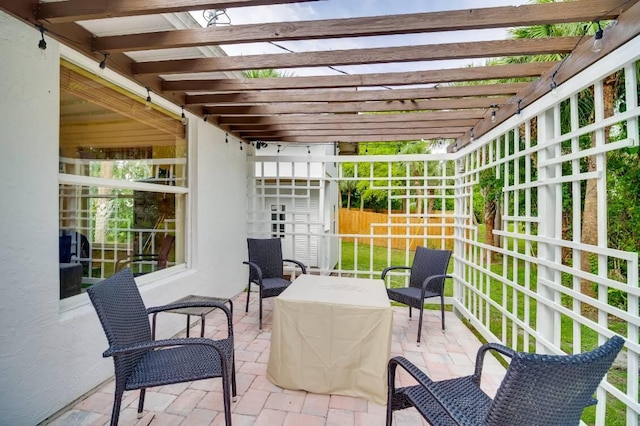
(227, 399)
(260, 314)
(409, 312)
(115, 412)
(420, 325)
(248, 293)
(141, 402)
(442, 309)
(391, 380)
(234, 391)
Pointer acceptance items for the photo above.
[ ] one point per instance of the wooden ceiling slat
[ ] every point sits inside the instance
(451, 75)
(409, 117)
(319, 108)
(353, 132)
(359, 126)
(371, 137)
(432, 52)
(79, 10)
(470, 19)
(356, 96)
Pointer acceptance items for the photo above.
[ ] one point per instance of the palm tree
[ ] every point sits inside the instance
(266, 73)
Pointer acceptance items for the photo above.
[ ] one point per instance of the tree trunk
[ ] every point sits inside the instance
(489, 218)
(590, 212)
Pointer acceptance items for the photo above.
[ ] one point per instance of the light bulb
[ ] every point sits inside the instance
(147, 104)
(597, 40)
(184, 118)
(554, 89)
(597, 44)
(493, 116)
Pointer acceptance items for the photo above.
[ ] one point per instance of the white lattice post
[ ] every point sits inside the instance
(548, 195)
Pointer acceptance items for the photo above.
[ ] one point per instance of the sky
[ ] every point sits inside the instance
(332, 9)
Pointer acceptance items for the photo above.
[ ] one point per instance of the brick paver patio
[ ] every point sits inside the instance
(260, 403)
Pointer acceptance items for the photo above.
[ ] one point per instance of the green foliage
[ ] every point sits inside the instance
(266, 73)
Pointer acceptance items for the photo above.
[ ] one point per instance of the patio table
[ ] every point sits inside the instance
(332, 335)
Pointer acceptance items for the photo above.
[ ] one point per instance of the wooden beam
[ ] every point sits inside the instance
(409, 117)
(433, 52)
(255, 128)
(451, 75)
(80, 10)
(355, 107)
(452, 20)
(354, 95)
(448, 131)
(370, 137)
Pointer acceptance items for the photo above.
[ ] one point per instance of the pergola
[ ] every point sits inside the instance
(453, 104)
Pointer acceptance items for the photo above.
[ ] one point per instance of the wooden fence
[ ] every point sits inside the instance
(397, 230)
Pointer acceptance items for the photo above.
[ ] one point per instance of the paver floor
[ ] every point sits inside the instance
(260, 403)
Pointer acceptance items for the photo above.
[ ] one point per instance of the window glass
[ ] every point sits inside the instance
(123, 184)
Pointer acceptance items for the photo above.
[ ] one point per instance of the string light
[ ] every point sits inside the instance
(597, 40)
(226, 138)
(103, 63)
(183, 116)
(206, 117)
(279, 148)
(493, 113)
(553, 85)
(147, 103)
(518, 109)
(240, 142)
(308, 149)
(42, 44)
(471, 135)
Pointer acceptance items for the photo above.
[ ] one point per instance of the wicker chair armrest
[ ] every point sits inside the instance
(482, 352)
(429, 385)
(156, 344)
(297, 262)
(433, 277)
(199, 304)
(390, 268)
(256, 268)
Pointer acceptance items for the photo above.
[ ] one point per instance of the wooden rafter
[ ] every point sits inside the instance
(79, 10)
(355, 107)
(367, 137)
(533, 69)
(355, 96)
(430, 52)
(371, 126)
(494, 17)
(352, 132)
(304, 119)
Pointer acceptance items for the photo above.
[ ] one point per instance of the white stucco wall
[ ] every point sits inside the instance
(50, 356)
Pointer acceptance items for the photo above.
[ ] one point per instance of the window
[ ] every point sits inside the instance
(277, 221)
(122, 185)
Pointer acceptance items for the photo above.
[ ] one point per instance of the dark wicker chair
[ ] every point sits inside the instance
(536, 390)
(266, 269)
(428, 272)
(141, 362)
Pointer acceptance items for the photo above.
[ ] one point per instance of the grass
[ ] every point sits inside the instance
(377, 258)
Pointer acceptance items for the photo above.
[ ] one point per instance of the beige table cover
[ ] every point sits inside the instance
(332, 335)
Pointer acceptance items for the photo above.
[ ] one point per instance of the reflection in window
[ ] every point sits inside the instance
(123, 184)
